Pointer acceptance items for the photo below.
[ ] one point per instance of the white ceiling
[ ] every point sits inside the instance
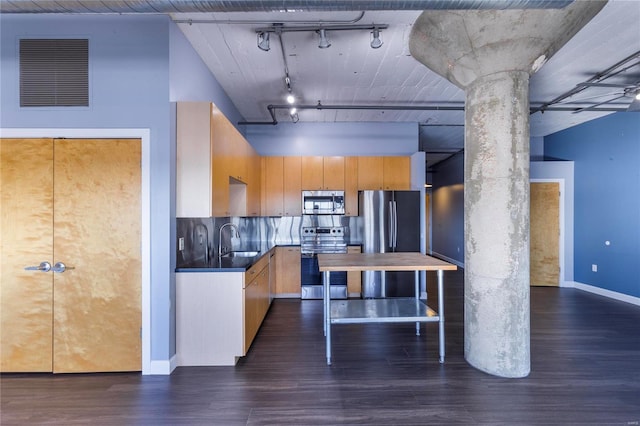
(351, 73)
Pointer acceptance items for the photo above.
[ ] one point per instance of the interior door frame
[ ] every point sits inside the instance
(145, 136)
(561, 220)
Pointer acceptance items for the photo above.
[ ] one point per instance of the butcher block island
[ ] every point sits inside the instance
(382, 310)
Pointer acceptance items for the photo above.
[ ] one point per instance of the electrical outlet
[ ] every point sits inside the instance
(594, 268)
(181, 243)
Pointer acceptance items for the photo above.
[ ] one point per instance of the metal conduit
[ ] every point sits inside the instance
(196, 6)
(273, 108)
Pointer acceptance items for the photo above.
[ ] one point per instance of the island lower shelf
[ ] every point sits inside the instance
(381, 310)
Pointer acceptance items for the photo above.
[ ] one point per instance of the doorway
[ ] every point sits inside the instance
(74, 204)
(545, 234)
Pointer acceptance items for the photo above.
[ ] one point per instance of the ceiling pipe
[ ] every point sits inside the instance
(199, 6)
(273, 108)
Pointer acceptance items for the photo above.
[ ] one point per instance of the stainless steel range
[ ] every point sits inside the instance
(316, 240)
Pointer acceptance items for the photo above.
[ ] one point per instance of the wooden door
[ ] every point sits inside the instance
(545, 234)
(26, 219)
(97, 206)
(288, 274)
(75, 202)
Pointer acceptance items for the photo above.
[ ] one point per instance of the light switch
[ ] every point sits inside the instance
(594, 268)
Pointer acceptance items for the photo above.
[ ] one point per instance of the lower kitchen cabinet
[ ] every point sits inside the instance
(218, 314)
(288, 273)
(354, 278)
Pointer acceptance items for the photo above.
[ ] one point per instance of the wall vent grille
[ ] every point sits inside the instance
(54, 72)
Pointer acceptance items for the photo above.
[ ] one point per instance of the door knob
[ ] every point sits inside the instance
(43, 266)
(61, 267)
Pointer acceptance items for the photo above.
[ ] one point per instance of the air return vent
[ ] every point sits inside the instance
(54, 72)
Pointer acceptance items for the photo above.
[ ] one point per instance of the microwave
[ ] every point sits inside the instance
(322, 202)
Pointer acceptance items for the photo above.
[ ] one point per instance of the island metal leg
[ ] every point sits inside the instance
(417, 288)
(441, 314)
(327, 315)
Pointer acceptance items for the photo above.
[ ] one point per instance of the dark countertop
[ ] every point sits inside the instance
(228, 264)
(233, 264)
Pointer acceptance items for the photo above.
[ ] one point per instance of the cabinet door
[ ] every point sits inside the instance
(273, 179)
(193, 159)
(254, 187)
(312, 173)
(351, 186)
(292, 186)
(251, 296)
(397, 173)
(370, 173)
(221, 163)
(333, 173)
(288, 274)
(354, 278)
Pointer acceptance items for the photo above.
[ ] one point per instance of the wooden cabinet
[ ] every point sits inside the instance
(292, 186)
(312, 173)
(256, 300)
(370, 171)
(254, 184)
(218, 314)
(272, 186)
(354, 278)
(323, 173)
(288, 273)
(397, 173)
(216, 167)
(351, 186)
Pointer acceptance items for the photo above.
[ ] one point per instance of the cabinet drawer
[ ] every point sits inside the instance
(253, 272)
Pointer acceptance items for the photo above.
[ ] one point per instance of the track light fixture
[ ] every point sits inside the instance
(376, 42)
(263, 41)
(323, 42)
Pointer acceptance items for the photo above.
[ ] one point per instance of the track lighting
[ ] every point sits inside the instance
(376, 42)
(323, 42)
(263, 41)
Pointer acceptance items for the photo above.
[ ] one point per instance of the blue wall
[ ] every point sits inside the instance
(129, 88)
(447, 210)
(137, 66)
(348, 139)
(606, 154)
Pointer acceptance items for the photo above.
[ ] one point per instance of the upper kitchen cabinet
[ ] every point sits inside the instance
(351, 186)
(322, 173)
(396, 173)
(193, 160)
(370, 171)
(292, 186)
(272, 186)
(216, 166)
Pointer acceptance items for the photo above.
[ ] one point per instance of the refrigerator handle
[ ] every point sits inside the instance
(392, 224)
(395, 226)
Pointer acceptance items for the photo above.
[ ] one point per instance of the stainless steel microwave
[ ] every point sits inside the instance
(322, 202)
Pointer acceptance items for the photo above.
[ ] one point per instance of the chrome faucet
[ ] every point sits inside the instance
(237, 235)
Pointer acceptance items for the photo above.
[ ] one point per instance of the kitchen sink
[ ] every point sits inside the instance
(241, 254)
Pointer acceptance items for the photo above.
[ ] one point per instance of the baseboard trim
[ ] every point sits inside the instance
(162, 368)
(603, 292)
(447, 259)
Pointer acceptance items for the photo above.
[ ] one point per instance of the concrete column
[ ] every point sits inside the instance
(496, 217)
(491, 54)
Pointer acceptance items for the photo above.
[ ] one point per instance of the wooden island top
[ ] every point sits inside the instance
(382, 262)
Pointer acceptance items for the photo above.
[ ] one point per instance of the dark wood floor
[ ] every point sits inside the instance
(585, 369)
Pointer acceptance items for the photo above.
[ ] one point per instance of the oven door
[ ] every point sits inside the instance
(311, 277)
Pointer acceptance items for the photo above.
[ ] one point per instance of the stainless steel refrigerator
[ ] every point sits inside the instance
(391, 223)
